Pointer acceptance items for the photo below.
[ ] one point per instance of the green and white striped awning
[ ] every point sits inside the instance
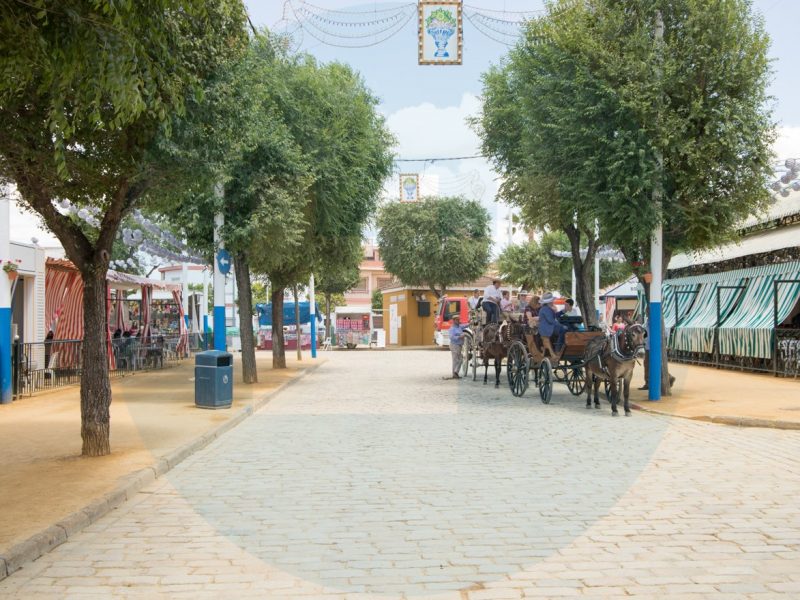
(749, 330)
(684, 295)
(747, 316)
(695, 332)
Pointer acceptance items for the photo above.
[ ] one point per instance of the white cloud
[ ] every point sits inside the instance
(788, 143)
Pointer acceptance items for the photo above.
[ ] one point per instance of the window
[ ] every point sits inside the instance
(453, 307)
(361, 286)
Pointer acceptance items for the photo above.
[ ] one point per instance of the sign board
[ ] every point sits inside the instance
(409, 187)
(224, 261)
(441, 30)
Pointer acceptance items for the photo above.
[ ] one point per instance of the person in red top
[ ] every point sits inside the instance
(618, 325)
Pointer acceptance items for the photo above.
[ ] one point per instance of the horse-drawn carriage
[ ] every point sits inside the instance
(537, 354)
(484, 341)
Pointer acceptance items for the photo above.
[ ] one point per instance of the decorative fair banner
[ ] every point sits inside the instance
(440, 32)
(409, 187)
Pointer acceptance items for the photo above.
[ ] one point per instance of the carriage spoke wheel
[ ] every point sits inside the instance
(576, 381)
(545, 380)
(467, 350)
(517, 366)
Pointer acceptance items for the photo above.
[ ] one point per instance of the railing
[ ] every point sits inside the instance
(54, 364)
(788, 354)
(785, 362)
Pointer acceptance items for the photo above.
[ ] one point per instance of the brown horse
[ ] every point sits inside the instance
(611, 359)
(496, 339)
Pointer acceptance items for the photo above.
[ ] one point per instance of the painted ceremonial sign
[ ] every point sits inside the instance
(440, 32)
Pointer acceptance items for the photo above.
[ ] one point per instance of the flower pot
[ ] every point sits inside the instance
(648, 277)
(12, 275)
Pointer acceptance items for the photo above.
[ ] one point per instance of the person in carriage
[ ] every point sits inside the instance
(548, 321)
(491, 301)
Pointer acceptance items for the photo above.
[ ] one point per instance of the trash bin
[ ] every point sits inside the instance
(213, 379)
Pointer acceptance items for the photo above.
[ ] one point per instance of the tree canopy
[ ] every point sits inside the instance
(435, 242)
(85, 89)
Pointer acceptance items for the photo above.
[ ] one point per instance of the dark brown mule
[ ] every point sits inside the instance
(611, 359)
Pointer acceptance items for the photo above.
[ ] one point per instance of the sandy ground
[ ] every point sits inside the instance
(705, 392)
(43, 478)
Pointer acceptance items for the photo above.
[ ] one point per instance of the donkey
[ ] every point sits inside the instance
(496, 339)
(611, 359)
(492, 347)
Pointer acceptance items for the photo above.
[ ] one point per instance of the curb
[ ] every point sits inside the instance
(44, 541)
(725, 420)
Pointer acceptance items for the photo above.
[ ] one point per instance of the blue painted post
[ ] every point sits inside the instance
(5, 305)
(312, 317)
(656, 258)
(220, 343)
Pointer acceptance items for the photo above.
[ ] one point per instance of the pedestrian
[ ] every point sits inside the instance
(491, 301)
(506, 305)
(456, 344)
(619, 324)
(473, 301)
(548, 321)
(522, 301)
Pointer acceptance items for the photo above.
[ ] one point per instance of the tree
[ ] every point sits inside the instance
(338, 273)
(683, 121)
(436, 242)
(87, 86)
(533, 265)
(235, 135)
(377, 300)
(334, 121)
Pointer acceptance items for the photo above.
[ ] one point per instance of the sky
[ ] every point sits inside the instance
(427, 106)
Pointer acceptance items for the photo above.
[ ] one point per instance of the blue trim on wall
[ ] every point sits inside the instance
(5, 355)
(654, 374)
(313, 320)
(220, 331)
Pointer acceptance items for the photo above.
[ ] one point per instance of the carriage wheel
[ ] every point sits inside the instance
(560, 373)
(467, 350)
(518, 367)
(545, 380)
(576, 381)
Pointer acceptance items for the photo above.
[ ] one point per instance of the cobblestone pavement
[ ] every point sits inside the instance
(374, 477)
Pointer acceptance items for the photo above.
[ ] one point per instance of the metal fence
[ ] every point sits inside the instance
(54, 364)
(784, 362)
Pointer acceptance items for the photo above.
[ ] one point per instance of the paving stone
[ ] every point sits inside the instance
(375, 478)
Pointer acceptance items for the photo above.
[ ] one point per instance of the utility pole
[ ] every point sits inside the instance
(5, 304)
(656, 254)
(221, 263)
(312, 316)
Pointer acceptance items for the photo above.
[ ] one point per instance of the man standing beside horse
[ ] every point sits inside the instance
(456, 344)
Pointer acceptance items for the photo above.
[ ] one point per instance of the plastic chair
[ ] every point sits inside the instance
(326, 343)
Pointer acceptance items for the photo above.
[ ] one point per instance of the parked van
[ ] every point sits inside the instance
(449, 306)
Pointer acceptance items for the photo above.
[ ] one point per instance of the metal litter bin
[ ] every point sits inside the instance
(213, 379)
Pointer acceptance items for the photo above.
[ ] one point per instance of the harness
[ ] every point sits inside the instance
(616, 352)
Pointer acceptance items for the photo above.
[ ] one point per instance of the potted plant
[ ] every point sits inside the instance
(11, 267)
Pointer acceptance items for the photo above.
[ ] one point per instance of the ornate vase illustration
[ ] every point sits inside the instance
(410, 187)
(441, 25)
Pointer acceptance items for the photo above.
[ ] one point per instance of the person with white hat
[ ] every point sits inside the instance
(548, 321)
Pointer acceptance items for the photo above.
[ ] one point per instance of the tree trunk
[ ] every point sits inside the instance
(297, 328)
(327, 316)
(242, 269)
(584, 284)
(95, 385)
(278, 352)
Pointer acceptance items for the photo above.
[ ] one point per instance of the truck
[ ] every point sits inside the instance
(448, 307)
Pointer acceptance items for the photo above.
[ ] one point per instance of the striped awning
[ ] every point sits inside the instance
(746, 314)
(695, 332)
(749, 329)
